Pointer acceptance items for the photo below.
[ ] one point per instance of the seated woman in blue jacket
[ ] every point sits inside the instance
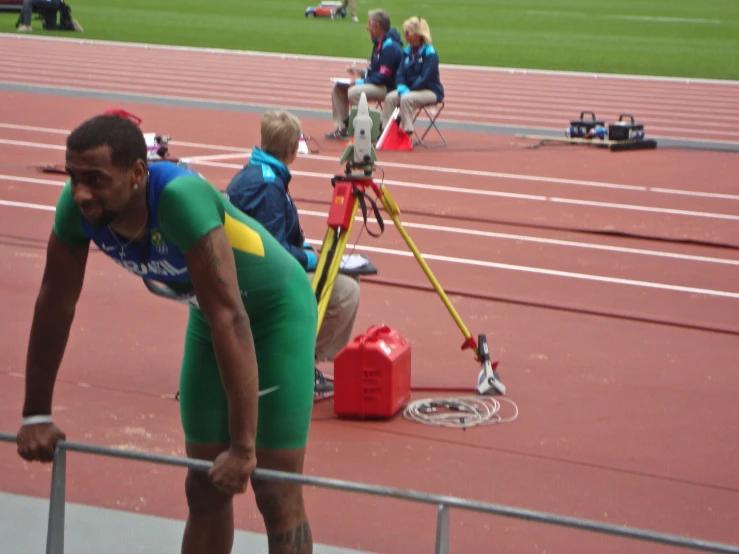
(261, 190)
(417, 82)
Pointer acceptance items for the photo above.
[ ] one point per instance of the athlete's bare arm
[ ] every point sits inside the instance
(52, 318)
(212, 269)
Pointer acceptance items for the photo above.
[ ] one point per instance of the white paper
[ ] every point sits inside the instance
(353, 261)
(341, 80)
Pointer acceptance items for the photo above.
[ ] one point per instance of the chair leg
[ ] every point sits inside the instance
(432, 125)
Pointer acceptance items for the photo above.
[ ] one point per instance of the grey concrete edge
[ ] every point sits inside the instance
(92, 530)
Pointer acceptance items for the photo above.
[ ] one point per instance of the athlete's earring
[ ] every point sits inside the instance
(135, 186)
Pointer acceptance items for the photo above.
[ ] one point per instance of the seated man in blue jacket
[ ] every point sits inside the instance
(377, 80)
(418, 82)
(260, 189)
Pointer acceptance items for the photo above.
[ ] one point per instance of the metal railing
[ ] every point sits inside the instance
(55, 531)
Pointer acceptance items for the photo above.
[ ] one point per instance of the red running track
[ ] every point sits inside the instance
(695, 109)
(619, 352)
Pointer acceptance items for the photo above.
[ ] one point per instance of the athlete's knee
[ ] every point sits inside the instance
(281, 504)
(202, 497)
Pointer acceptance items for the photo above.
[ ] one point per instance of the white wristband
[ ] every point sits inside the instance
(37, 419)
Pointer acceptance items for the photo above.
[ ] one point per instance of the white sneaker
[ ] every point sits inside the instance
(355, 19)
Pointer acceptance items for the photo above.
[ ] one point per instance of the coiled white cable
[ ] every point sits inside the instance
(461, 412)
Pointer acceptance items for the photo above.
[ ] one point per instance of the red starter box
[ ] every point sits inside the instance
(372, 375)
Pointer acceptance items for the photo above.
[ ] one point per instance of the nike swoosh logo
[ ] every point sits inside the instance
(269, 390)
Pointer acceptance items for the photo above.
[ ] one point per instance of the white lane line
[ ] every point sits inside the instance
(483, 263)
(515, 195)
(475, 232)
(31, 180)
(32, 144)
(27, 205)
(434, 169)
(627, 17)
(212, 157)
(540, 271)
(75, 42)
(540, 240)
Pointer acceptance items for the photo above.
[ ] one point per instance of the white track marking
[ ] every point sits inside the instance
(627, 17)
(515, 195)
(493, 265)
(211, 157)
(475, 232)
(540, 271)
(251, 53)
(541, 240)
(238, 152)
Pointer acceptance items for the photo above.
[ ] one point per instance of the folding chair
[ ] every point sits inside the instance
(432, 112)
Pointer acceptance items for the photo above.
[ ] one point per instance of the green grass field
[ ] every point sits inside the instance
(683, 38)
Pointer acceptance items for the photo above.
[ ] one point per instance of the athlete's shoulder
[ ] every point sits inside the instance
(162, 173)
(186, 207)
(172, 183)
(68, 219)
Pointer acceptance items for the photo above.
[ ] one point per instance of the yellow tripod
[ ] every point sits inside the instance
(349, 194)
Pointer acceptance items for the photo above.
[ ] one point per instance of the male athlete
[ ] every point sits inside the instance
(245, 398)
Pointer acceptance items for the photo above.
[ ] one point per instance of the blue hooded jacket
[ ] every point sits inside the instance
(387, 53)
(260, 189)
(420, 71)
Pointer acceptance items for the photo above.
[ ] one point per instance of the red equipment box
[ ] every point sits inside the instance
(372, 375)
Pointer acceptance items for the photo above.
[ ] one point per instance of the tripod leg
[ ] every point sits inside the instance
(321, 276)
(328, 241)
(392, 210)
(329, 264)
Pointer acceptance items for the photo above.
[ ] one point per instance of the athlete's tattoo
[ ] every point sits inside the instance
(243, 329)
(294, 541)
(206, 254)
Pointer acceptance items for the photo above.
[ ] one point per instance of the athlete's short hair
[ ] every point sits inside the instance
(124, 138)
(281, 132)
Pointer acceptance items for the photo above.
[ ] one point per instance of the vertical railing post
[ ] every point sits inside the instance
(442, 529)
(55, 531)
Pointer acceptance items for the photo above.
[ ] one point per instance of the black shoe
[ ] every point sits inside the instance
(322, 385)
(338, 134)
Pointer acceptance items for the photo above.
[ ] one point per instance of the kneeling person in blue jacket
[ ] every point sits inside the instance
(260, 189)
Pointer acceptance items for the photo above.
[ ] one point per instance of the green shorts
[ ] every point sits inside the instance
(285, 340)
